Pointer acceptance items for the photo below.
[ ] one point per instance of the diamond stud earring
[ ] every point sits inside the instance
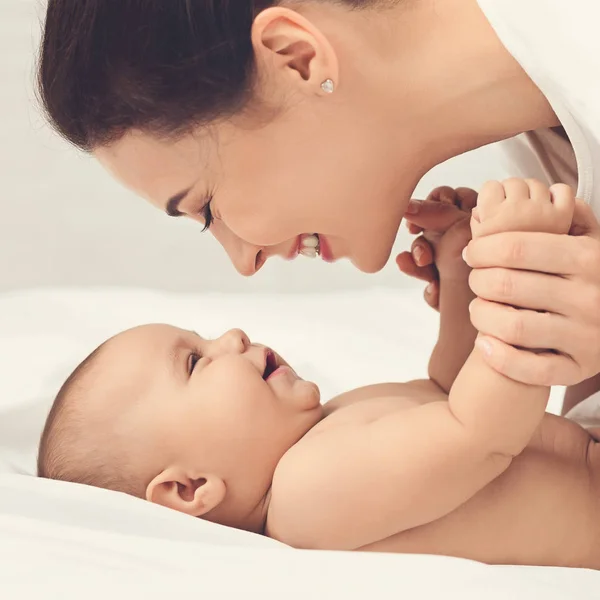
(328, 86)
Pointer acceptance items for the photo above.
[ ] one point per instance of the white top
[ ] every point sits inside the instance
(557, 43)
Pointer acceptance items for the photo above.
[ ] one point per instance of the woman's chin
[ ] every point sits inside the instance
(371, 252)
(370, 264)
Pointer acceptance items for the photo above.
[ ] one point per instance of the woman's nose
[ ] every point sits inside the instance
(245, 257)
(248, 262)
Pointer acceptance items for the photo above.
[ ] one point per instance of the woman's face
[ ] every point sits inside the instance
(297, 161)
(266, 186)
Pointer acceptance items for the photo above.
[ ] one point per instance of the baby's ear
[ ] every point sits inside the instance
(194, 496)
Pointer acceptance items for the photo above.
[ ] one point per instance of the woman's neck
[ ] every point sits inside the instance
(444, 79)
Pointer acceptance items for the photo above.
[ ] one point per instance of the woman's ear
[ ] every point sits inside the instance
(194, 496)
(289, 46)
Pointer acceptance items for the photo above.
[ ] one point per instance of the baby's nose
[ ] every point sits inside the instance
(236, 341)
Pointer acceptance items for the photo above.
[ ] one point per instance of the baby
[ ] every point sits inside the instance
(465, 463)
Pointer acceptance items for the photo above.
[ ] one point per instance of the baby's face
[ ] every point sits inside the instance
(224, 407)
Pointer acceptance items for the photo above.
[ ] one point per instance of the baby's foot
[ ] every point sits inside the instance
(523, 205)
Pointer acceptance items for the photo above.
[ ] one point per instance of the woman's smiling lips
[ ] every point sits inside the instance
(324, 248)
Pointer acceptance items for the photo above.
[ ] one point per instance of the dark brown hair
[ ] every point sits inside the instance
(108, 66)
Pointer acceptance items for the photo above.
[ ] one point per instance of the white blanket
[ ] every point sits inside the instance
(62, 540)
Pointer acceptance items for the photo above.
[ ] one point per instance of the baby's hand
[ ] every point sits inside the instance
(443, 220)
(523, 205)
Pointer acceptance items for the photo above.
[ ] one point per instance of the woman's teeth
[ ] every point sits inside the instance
(309, 246)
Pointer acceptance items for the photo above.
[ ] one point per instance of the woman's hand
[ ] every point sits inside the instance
(442, 223)
(554, 280)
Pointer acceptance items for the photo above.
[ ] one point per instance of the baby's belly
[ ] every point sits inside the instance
(543, 510)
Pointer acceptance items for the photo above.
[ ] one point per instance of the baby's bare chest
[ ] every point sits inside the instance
(353, 411)
(556, 436)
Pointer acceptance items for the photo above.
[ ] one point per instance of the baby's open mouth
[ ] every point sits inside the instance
(271, 365)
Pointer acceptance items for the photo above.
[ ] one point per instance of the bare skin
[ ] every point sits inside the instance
(465, 463)
(437, 76)
(516, 518)
(292, 165)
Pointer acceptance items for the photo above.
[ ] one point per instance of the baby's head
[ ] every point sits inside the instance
(196, 425)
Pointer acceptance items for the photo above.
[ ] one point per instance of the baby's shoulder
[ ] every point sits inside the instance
(345, 418)
(308, 468)
(394, 394)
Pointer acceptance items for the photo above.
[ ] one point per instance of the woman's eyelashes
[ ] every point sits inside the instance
(206, 212)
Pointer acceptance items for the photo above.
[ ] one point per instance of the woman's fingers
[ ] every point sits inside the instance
(408, 266)
(558, 274)
(524, 328)
(573, 345)
(542, 252)
(433, 216)
(422, 252)
(432, 294)
(445, 194)
(545, 368)
(467, 198)
(413, 229)
(523, 289)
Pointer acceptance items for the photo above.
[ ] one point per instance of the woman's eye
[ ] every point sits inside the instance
(192, 362)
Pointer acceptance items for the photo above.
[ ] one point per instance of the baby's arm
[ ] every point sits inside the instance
(456, 332)
(515, 205)
(443, 219)
(360, 483)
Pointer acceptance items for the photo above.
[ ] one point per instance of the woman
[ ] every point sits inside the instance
(269, 121)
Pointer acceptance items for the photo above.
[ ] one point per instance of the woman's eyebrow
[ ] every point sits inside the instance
(173, 204)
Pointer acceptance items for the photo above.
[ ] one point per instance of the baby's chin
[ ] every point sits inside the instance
(309, 394)
(305, 395)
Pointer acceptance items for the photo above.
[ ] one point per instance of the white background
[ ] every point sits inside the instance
(63, 221)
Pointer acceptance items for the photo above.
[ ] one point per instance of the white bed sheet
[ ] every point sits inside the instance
(60, 537)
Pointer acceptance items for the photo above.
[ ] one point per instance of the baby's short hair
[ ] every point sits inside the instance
(75, 447)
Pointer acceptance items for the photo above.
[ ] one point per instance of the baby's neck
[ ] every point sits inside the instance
(261, 513)
(254, 521)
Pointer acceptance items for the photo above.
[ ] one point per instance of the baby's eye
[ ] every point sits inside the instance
(192, 361)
